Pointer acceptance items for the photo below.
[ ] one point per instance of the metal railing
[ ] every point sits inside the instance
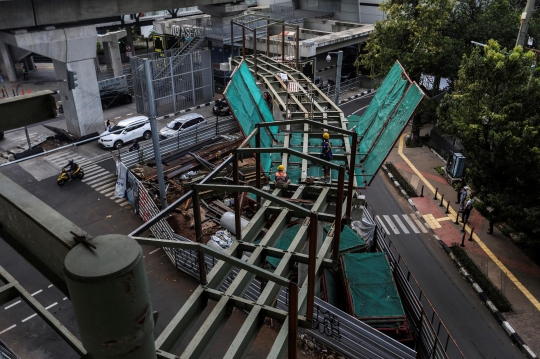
(347, 85)
(6, 353)
(183, 139)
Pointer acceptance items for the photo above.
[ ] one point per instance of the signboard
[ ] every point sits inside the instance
(187, 31)
(115, 84)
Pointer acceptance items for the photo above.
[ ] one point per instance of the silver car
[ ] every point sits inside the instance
(181, 123)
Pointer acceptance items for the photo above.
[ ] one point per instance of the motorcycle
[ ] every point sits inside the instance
(63, 178)
(221, 108)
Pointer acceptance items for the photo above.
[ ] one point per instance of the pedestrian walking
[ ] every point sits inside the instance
(459, 192)
(463, 198)
(108, 126)
(25, 73)
(326, 154)
(467, 210)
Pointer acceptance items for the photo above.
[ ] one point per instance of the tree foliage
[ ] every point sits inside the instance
(494, 112)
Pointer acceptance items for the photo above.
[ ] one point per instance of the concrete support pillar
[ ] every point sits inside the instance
(74, 49)
(115, 58)
(8, 68)
(109, 292)
(82, 105)
(129, 39)
(107, 53)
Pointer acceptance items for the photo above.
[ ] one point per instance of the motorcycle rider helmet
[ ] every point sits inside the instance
(70, 160)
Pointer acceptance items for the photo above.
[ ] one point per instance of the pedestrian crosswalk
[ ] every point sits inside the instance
(401, 223)
(95, 176)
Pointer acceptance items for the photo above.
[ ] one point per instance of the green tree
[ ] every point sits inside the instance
(494, 112)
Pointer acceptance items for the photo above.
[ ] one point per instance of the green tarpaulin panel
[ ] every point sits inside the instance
(349, 239)
(249, 108)
(331, 288)
(370, 283)
(382, 123)
(283, 243)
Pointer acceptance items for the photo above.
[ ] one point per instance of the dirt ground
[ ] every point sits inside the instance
(52, 144)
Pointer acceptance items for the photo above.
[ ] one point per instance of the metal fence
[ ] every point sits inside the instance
(347, 85)
(431, 343)
(184, 139)
(179, 82)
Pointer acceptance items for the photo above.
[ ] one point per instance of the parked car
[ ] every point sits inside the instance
(181, 123)
(109, 98)
(125, 131)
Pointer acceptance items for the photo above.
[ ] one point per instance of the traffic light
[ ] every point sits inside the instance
(72, 80)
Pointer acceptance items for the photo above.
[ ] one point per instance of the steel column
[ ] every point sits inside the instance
(339, 213)
(172, 85)
(153, 127)
(258, 165)
(312, 256)
(267, 38)
(293, 319)
(243, 42)
(255, 52)
(232, 41)
(298, 48)
(237, 209)
(283, 43)
(198, 235)
(352, 164)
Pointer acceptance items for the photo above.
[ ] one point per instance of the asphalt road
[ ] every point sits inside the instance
(476, 332)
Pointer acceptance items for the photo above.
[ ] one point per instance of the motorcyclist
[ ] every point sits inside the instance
(72, 168)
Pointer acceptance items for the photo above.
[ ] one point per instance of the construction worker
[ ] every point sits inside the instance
(326, 154)
(282, 180)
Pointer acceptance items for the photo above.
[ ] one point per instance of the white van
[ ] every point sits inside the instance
(124, 131)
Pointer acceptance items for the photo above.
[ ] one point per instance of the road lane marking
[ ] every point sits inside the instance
(52, 305)
(400, 224)
(390, 223)
(410, 223)
(382, 224)
(5, 330)
(12, 305)
(30, 317)
(477, 239)
(39, 291)
(154, 251)
(50, 285)
(64, 298)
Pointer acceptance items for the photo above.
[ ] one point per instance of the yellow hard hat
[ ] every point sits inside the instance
(326, 135)
(281, 168)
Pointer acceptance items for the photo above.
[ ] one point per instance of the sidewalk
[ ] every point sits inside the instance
(508, 268)
(42, 78)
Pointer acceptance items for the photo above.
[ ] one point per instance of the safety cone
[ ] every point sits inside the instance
(29, 91)
(23, 92)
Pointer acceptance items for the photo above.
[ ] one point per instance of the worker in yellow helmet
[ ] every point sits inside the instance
(326, 154)
(282, 180)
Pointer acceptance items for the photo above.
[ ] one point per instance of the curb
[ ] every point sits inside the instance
(356, 96)
(483, 297)
(187, 110)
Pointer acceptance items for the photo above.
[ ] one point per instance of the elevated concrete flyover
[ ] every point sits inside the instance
(31, 13)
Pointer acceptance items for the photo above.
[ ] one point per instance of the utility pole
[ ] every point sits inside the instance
(154, 130)
(524, 27)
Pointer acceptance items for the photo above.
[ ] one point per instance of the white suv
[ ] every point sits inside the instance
(181, 123)
(124, 131)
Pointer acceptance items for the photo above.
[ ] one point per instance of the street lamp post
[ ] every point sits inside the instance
(338, 76)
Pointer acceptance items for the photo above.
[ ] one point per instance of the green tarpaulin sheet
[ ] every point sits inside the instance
(349, 239)
(283, 243)
(371, 285)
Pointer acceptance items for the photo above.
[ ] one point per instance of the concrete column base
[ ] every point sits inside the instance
(82, 106)
(8, 69)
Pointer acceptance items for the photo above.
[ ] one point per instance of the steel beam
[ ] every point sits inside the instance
(313, 224)
(280, 253)
(308, 121)
(237, 209)
(180, 200)
(291, 152)
(339, 214)
(198, 236)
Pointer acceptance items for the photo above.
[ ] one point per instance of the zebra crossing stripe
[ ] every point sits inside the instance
(420, 225)
(382, 224)
(103, 187)
(100, 181)
(390, 223)
(411, 224)
(96, 174)
(400, 224)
